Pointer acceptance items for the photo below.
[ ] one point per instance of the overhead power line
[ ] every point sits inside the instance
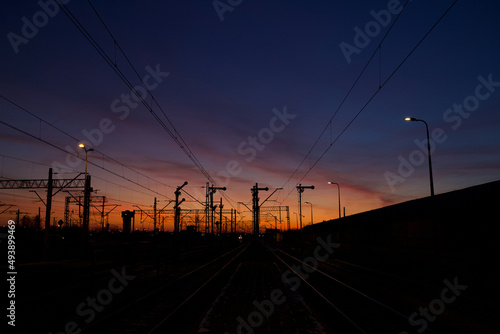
(170, 128)
(381, 85)
(172, 131)
(329, 123)
(78, 157)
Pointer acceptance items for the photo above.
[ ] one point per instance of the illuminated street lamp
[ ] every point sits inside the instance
(86, 196)
(338, 186)
(82, 145)
(296, 219)
(311, 211)
(412, 119)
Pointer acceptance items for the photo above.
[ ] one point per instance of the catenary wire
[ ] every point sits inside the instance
(373, 95)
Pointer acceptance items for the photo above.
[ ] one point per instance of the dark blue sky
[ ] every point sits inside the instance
(226, 77)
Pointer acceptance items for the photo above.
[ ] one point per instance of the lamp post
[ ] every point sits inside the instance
(82, 145)
(311, 211)
(412, 119)
(338, 186)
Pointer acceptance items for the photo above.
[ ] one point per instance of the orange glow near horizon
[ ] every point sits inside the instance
(324, 206)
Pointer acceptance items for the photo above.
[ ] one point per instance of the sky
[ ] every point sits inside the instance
(250, 92)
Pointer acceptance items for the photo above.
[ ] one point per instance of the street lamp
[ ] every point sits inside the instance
(86, 199)
(296, 219)
(338, 186)
(412, 119)
(82, 145)
(311, 211)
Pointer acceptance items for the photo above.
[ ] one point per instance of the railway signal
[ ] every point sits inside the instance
(177, 213)
(210, 206)
(300, 189)
(256, 208)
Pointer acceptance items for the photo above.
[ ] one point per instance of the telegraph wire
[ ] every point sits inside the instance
(76, 156)
(72, 170)
(77, 140)
(329, 123)
(373, 95)
(173, 134)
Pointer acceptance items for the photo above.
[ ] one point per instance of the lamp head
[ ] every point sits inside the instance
(82, 145)
(410, 119)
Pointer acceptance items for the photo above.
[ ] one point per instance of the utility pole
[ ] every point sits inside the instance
(207, 208)
(256, 208)
(48, 208)
(86, 209)
(102, 214)
(49, 203)
(38, 220)
(212, 209)
(105, 214)
(177, 213)
(300, 189)
(231, 222)
(211, 191)
(154, 217)
(281, 224)
(49, 184)
(220, 216)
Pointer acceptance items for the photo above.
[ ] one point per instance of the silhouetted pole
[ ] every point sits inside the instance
(207, 208)
(231, 222)
(38, 220)
(311, 211)
(220, 215)
(86, 195)
(102, 214)
(300, 189)
(177, 212)
(154, 216)
(86, 207)
(296, 219)
(279, 212)
(300, 206)
(48, 208)
(338, 187)
(212, 208)
(212, 190)
(256, 208)
(428, 150)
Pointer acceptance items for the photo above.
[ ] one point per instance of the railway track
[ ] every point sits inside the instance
(356, 299)
(253, 288)
(164, 307)
(239, 292)
(51, 293)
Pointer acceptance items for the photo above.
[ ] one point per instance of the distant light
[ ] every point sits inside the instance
(81, 145)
